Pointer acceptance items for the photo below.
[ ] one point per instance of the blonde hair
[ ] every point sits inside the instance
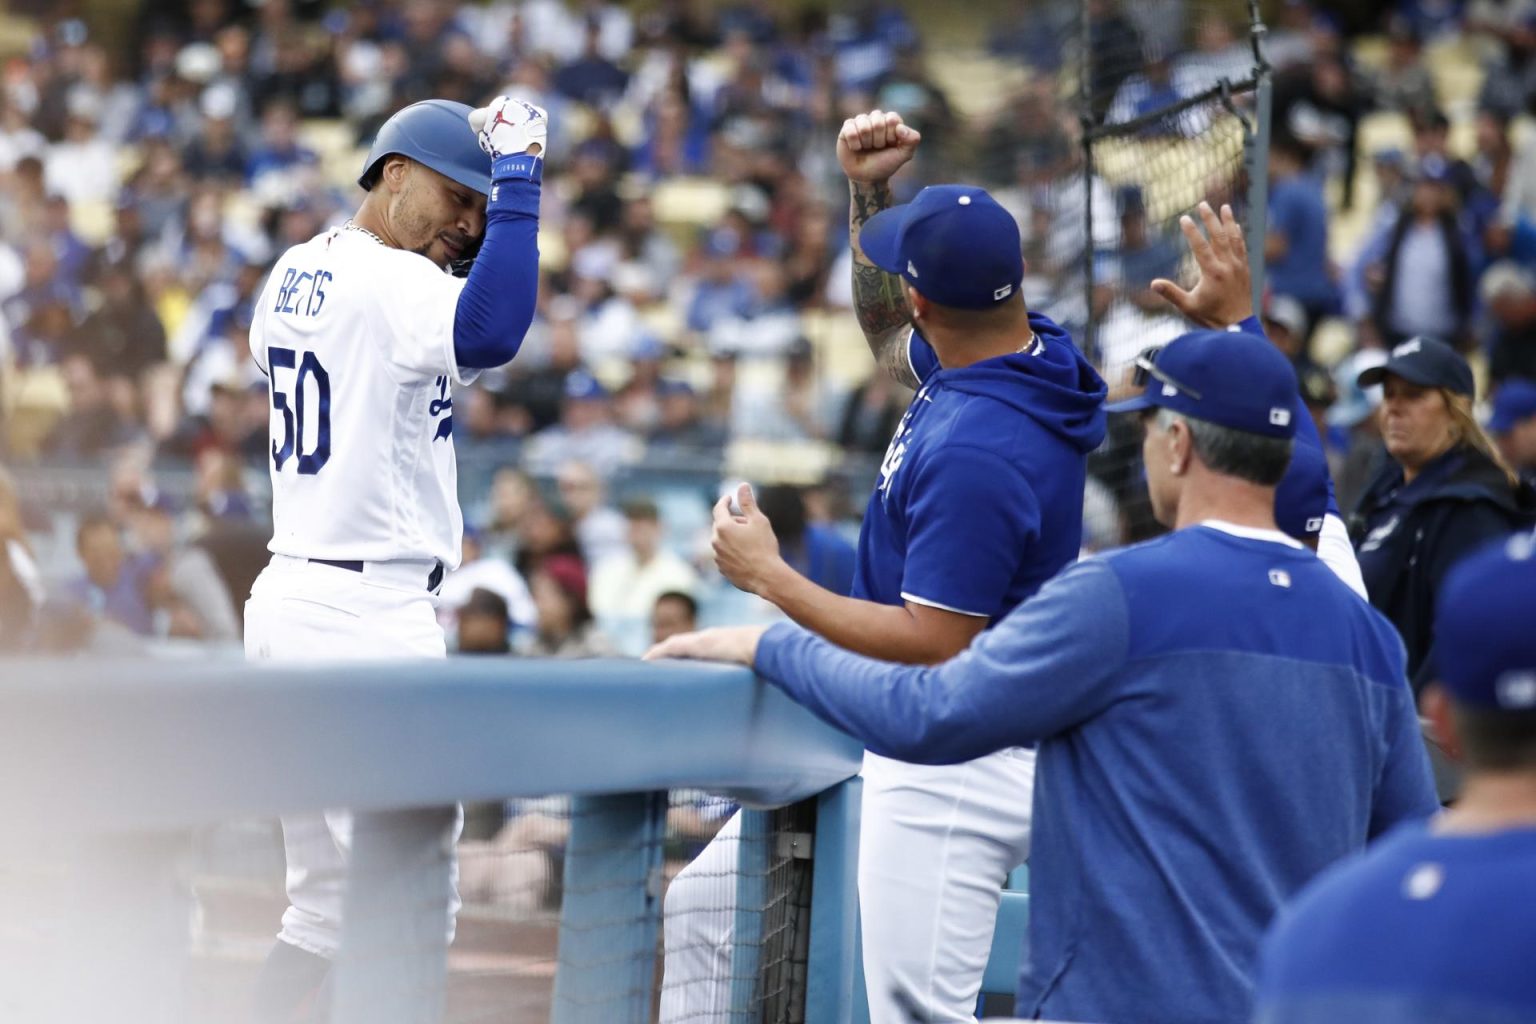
(1466, 430)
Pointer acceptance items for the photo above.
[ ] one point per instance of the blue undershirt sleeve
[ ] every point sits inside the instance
(1050, 665)
(497, 303)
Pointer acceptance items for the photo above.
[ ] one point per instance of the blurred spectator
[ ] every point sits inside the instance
(599, 528)
(184, 588)
(1444, 492)
(483, 624)
(586, 431)
(94, 424)
(1509, 293)
(1513, 425)
(1145, 253)
(545, 533)
(626, 585)
(115, 585)
(674, 612)
(1285, 324)
(83, 166)
(1404, 82)
(871, 413)
(123, 337)
(480, 571)
(513, 496)
(1152, 89)
(1218, 54)
(1424, 283)
(681, 426)
(1296, 245)
(1432, 138)
(279, 150)
(814, 550)
(21, 583)
(565, 629)
(592, 78)
(801, 406)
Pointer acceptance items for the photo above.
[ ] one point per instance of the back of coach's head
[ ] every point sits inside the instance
(1219, 408)
(1485, 653)
(957, 249)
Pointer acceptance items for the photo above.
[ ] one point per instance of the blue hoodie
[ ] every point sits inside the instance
(980, 498)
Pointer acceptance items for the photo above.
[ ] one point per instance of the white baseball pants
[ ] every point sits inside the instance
(306, 612)
(936, 845)
(935, 848)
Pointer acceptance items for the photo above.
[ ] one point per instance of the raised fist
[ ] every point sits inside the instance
(871, 147)
(508, 126)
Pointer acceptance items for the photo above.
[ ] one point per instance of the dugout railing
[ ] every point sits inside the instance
(108, 769)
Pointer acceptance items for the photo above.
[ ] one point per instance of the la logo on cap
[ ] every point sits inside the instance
(1408, 348)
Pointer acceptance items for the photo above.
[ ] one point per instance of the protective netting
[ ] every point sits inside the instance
(1114, 141)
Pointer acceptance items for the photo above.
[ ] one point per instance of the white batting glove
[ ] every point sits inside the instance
(508, 127)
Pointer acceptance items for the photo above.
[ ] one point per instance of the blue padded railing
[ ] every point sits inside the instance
(117, 751)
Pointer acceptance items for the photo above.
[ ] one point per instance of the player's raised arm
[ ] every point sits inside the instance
(498, 300)
(871, 148)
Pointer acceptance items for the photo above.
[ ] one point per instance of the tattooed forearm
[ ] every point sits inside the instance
(878, 299)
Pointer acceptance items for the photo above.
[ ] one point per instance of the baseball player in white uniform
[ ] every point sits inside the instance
(363, 332)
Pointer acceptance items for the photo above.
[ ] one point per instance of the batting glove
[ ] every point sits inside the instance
(508, 127)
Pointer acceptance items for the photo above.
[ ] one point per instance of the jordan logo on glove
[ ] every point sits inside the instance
(510, 127)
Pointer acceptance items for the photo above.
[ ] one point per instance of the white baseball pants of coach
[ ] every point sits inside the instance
(306, 612)
(936, 845)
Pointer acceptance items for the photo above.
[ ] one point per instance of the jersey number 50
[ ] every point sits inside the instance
(311, 462)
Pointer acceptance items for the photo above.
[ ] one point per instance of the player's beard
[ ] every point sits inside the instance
(412, 224)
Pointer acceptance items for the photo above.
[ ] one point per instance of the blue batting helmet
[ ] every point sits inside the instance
(435, 133)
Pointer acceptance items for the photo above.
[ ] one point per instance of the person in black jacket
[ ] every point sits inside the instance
(1443, 492)
(1424, 283)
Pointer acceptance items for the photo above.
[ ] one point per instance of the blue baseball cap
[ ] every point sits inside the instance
(1301, 500)
(1230, 378)
(1515, 401)
(1425, 362)
(953, 243)
(582, 386)
(1484, 645)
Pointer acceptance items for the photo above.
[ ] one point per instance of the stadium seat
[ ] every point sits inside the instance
(698, 202)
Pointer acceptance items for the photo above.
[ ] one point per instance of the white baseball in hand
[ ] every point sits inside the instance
(508, 126)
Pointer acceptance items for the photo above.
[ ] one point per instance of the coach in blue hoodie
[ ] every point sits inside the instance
(1219, 716)
(979, 502)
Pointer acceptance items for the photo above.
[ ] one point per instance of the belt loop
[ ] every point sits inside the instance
(435, 578)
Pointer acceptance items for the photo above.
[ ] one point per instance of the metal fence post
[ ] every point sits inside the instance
(611, 912)
(834, 954)
(1256, 151)
(393, 962)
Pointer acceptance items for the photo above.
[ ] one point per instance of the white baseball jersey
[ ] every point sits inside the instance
(356, 340)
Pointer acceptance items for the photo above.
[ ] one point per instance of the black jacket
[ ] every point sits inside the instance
(1408, 536)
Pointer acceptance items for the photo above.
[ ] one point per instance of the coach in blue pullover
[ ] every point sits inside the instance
(1219, 717)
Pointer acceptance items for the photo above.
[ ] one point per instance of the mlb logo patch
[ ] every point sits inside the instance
(1280, 578)
(1169, 390)
(1517, 690)
(1314, 525)
(1280, 417)
(1002, 293)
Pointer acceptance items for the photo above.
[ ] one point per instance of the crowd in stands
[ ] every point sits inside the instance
(694, 290)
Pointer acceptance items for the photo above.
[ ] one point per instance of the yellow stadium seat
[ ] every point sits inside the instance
(842, 354)
(690, 201)
(789, 462)
(92, 220)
